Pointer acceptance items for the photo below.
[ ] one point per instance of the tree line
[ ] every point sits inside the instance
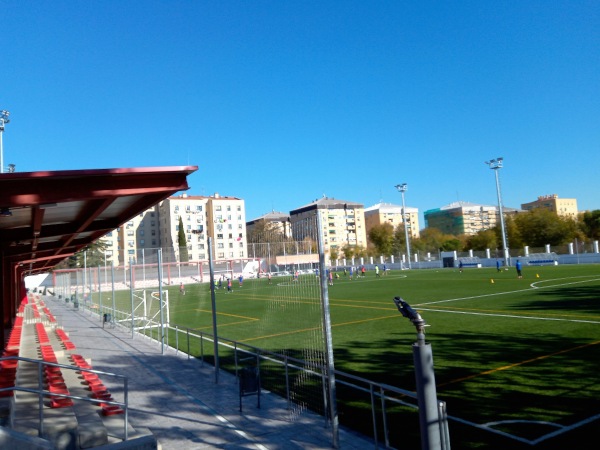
(535, 228)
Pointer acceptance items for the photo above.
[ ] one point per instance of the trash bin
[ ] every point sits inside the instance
(76, 304)
(249, 384)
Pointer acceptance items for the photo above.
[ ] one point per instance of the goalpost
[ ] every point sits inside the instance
(147, 308)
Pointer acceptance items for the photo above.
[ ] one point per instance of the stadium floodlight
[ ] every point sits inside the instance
(496, 165)
(402, 189)
(3, 121)
(411, 314)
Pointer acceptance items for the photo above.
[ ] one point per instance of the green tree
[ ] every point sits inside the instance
(348, 251)
(590, 224)
(483, 240)
(382, 238)
(265, 232)
(91, 256)
(540, 226)
(182, 242)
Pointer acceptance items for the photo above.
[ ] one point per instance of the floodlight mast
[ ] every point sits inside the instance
(496, 165)
(3, 120)
(402, 188)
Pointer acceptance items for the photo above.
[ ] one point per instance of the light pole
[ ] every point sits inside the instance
(495, 165)
(3, 120)
(402, 189)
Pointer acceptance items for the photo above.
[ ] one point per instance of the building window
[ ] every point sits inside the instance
(218, 208)
(199, 208)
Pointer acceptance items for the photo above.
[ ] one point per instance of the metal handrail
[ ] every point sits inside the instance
(45, 393)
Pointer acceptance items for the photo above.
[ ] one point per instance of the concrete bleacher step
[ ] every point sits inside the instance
(79, 424)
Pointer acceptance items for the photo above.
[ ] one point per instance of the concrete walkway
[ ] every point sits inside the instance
(178, 400)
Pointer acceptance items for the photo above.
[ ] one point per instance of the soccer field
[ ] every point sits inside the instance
(516, 360)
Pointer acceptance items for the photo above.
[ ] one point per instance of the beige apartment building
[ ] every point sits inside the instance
(343, 223)
(565, 207)
(389, 213)
(128, 241)
(276, 221)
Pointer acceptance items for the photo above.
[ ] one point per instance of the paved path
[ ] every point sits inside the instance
(178, 400)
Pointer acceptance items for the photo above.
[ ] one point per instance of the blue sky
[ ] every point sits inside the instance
(282, 102)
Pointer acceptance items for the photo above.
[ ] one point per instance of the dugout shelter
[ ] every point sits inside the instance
(48, 216)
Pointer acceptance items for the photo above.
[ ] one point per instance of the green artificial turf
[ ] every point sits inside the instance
(521, 354)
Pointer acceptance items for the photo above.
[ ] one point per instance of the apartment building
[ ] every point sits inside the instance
(276, 221)
(218, 217)
(342, 221)
(389, 213)
(128, 241)
(565, 207)
(462, 218)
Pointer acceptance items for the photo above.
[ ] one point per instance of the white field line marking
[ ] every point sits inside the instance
(533, 287)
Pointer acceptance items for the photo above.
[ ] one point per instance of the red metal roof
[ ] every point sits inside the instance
(47, 216)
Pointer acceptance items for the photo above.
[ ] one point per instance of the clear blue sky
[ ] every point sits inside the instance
(281, 102)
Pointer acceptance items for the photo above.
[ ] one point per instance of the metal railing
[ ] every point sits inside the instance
(41, 392)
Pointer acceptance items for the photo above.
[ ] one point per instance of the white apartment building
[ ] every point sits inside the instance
(221, 218)
(389, 213)
(343, 223)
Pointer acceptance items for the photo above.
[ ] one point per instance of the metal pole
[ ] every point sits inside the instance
(160, 302)
(214, 308)
(130, 298)
(434, 428)
(495, 165)
(402, 188)
(3, 121)
(328, 336)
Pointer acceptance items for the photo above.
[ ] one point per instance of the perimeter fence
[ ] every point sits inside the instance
(137, 298)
